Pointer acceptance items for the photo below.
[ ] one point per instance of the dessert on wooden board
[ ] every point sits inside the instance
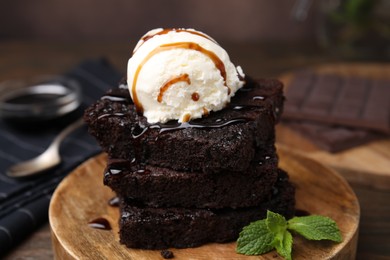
(190, 144)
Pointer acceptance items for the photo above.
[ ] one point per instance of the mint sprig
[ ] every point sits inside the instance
(264, 235)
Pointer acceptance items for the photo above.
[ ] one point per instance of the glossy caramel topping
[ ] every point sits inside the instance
(183, 77)
(195, 96)
(205, 111)
(177, 45)
(165, 31)
(186, 118)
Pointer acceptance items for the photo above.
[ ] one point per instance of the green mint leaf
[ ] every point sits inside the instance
(276, 223)
(284, 245)
(273, 232)
(255, 239)
(315, 228)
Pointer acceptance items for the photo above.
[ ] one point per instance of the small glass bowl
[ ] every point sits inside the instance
(39, 99)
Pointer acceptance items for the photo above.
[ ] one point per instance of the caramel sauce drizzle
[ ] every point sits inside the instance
(205, 111)
(195, 96)
(186, 118)
(177, 45)
(183, 77)
(165, 31)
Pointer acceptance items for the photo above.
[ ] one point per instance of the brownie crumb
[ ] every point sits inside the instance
(167, 254)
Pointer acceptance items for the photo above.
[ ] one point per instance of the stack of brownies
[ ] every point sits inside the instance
(186, 184)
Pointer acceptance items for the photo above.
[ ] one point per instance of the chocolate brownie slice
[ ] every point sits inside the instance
(163, 187)
(159, 228)
(223, 140)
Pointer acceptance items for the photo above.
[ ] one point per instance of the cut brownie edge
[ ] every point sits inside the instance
(164, 187)
(160, 228)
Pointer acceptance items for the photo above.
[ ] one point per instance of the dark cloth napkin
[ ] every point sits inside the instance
(24, 202)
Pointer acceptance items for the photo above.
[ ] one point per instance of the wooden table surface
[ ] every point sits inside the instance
(20, 60)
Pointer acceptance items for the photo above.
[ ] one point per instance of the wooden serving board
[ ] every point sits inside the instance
(81, 198)
(368, 164)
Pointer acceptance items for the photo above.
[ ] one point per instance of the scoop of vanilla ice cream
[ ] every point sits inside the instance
(180, 74)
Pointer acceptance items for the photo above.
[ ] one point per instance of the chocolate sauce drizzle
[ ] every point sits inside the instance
(116, 166)
(114, 202)
(114, 98)
(121, 166)
(100, 223)
(258, 98)
(113, 114)
(141, 130)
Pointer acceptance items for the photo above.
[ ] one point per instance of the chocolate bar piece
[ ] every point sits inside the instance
(342, 100)
(333, 138)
